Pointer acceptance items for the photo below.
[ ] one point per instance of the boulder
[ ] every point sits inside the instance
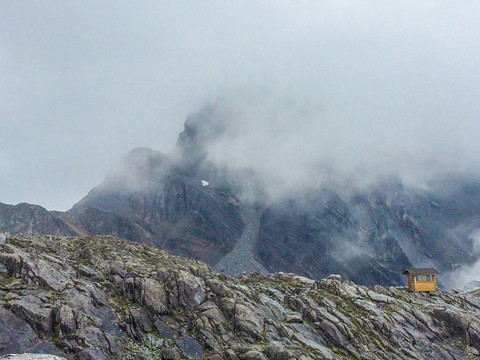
(64, 320)
(276, 351)
(35, 313)
(153, 297)
(16, 336)
(191, 289)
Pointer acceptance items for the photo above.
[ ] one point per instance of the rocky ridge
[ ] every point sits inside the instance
(104, 298)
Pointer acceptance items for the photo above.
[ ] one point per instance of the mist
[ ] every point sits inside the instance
(315, 92)
(294, 141)
(471, 273)
(463, 276)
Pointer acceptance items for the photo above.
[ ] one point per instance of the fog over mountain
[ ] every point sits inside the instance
(295, 143)
(314, 91)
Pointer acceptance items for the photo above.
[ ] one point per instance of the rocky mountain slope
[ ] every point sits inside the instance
(27, 218)
(185, 204)
(242, 257)
(104, 298)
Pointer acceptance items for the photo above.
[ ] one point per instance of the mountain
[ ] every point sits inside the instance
(389, 226)
(27, 218)
(99, 297)
(186, 204)
(368, 236)
(174, 211)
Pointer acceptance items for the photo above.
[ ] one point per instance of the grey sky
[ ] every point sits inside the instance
(370, 85)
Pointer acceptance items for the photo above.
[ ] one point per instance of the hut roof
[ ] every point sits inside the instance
(420, 271)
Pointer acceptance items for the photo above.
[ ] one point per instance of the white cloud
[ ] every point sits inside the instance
(362, 85)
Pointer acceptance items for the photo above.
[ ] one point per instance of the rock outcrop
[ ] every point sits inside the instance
(104, 298)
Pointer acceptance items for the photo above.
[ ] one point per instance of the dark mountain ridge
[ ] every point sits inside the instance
(187, 205)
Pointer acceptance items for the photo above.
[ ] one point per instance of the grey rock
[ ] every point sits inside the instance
(43, 272)
(253, 355)
(293, 318)
(191, 289)
(91, 354)
(333, 333)
(137, 302)
(154, 297)
(35, 313)
(172, 354)
(473, 351)
(334, 277)
(141, 320)
(191, 347)
(65, 320)
(230, 355)
(276, 351)
(31, 357)
(28, 219)
(16, 336)
(164, 330)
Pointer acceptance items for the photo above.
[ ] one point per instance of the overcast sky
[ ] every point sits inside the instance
(368, 84)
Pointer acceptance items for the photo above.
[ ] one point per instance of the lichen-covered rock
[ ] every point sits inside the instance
(154, 297)
(276, 351)
(47, 270)
(17, 336)
(31, 357)
(65, 321)
(191, 289)
(111, 299)
(32, 309)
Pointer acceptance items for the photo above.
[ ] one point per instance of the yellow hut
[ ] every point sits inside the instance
(421, 279)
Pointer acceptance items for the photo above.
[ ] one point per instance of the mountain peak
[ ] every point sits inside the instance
(200, 129)
(138, 168)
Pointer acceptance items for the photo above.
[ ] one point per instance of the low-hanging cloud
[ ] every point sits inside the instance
(467, 274)
(294, 140)
(461, 277)
(355, 88)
